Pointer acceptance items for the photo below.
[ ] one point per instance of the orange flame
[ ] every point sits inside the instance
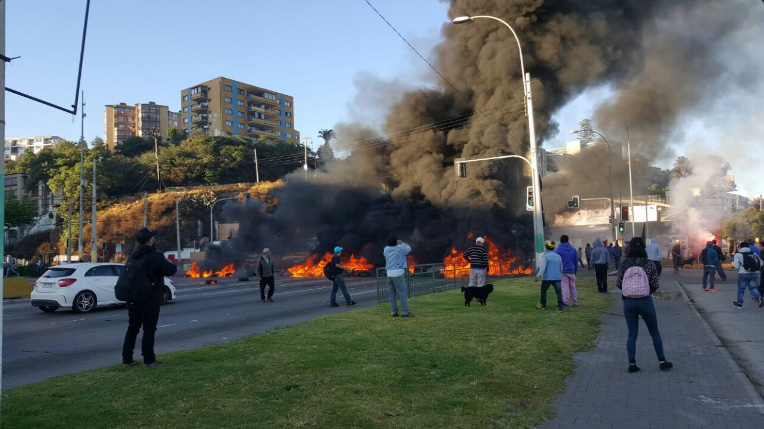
(498, 263)
(196, 272)
(411, 261)
(227, 271)
(314, 266)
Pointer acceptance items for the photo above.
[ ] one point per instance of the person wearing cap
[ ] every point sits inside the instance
(395, 265)
(265, 270)
(550, 273)
(478, 259)
(339, 281)
(146, 313)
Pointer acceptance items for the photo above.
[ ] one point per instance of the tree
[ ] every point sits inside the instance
(744, 225)
(175, 135)
(19, 212)
(134, 146)
(325, 152)
(586, 128)
(327, 135)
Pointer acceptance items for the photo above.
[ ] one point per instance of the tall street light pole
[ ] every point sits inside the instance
(538, 224)
(610, 161)
(631, 189)
(94, 228)
(80, 251)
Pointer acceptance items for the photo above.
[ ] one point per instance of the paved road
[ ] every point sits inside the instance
(41, 345)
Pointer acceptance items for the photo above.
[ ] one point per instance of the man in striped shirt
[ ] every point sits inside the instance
(478, 259)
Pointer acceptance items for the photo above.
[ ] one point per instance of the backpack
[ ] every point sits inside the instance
(751, 262)
(635, 283)
(329, 271)
(133, 285)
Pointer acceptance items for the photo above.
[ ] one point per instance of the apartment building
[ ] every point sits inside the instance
(145, 120)
(44, 199)
(17, 146)
(223, 106)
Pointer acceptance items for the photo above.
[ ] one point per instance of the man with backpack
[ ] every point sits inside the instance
(144, 263)
(710, 260)
(338, 281)
(747, 265)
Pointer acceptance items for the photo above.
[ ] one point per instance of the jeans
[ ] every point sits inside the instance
(601, 272)
(708, 271)
(658, 267)
(557, 289)
(569, 292)
(750, 281)
(9, 270)
(271, 283)
(722, 274)
(339, 282)
(632, 309)
(148, 318)
(761, 284)
(617, 262)
(398, 289)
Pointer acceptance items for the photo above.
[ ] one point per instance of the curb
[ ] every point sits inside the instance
(753, 394)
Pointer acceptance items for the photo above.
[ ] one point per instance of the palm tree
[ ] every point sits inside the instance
(325, 152)
(327, 135)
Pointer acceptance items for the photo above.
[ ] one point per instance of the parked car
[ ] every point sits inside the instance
(83, 287)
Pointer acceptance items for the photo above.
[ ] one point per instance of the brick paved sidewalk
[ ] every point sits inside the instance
(702, 390)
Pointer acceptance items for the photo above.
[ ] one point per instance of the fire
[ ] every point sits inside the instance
(227, 271)
(498, 263)
(196, 272)
(314, 266)
(411, 261)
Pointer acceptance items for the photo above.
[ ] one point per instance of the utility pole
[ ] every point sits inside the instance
(2, 168)
(305, 164)
(631, 189)
(69, 240)
(145, 209)
(177, 229)
(94, 228)
(257, 172)
(156, 154)
(80, 250)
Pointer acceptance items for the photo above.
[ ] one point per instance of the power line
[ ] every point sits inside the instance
(425, 60)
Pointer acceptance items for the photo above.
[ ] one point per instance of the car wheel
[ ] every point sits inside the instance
(48, 308)
(165, 295)
(84, 302)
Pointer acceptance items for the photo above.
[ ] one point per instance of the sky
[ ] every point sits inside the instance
(316, 51)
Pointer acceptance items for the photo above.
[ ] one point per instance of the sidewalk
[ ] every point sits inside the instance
(704, 389)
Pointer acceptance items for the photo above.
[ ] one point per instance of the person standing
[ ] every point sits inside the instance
(654, 254)
(747, 265)
(638, 280)
(395, 265)
(710, 260)
(569, 258)
(266, 270)
(11, 267)
(40, 266)
(676, 256)
(719, 268)
(581, 257)
(550, 273)
(588, 253)
(617, 253)
(478, 259)
(146, 313)
(600, 259)
(339, 281)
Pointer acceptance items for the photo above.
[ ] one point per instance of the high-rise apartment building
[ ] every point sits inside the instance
(145, 120)
(17, 146)
(224, 106)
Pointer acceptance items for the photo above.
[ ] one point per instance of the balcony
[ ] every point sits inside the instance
(251, 120)
(253, 108)
(202, 95)
(199, 119)
(255, 97)
(200, 107)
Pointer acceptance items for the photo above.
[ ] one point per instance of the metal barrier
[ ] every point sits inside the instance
(428, 278)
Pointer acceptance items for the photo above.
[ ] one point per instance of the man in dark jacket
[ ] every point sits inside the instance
(265, 270)
(146, 312)
(719, 268)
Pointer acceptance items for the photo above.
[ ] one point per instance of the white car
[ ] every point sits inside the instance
(83, 287)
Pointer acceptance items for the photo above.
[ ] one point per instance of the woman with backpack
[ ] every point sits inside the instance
(638, 279)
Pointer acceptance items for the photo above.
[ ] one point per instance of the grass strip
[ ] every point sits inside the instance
(450, 366)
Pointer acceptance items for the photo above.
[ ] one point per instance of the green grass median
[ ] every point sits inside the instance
(449, 367)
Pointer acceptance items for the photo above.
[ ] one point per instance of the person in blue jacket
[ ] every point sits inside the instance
(550, 273)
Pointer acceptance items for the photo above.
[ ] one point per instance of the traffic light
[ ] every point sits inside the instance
(529, 202)
(620, 227)
(624, 213)
(461, 168)
(573, 202)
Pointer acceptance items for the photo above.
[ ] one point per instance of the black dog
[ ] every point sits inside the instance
(479, 293)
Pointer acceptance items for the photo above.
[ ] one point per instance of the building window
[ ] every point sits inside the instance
(185, 98)
(228, 112)
(278, 122)
(241, 92)
(278, 111)
(241, 114)
(241, 126)
(228, 123)
(289, 135)
(289, 125)
(287, 103)
(288, 114)
(239, 102)
(228, 88)
(185, 120)
(228, 100)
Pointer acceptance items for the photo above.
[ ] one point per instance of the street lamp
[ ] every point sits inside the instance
(610, 161)
(538, 225)
(212, 206)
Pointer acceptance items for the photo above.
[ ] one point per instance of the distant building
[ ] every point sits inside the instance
(223, 106)
(146, 120)
(44, 198)
(550, 158)
(17, 146)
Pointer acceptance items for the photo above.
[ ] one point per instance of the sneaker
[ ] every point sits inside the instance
(351, 303)
(129, 364)
(407, 315)
(738, 306)
(761, 302)
(334, 304)
(633, 368)
(154, 364)
(559, 310)
(270, 299)
(540, 307)
(713, 289)
(395, 314)
(705, 289)
(262, 300)
(665, 366)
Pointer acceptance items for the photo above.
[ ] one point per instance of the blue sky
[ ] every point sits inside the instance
(316, 51)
